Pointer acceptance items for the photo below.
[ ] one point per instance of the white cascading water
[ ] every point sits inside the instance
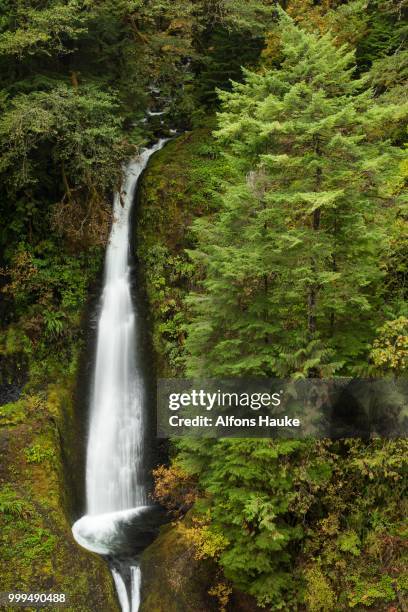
(121, 590)
(115, 489)
(135, 581)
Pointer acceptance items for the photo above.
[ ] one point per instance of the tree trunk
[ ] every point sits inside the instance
(312, 298)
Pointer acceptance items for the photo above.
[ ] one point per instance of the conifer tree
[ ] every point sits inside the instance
(389, 68)
(292, 279)
(292, 260)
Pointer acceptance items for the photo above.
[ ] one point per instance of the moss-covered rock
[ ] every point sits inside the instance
(181, 183)
(38, 552)
(173, 579)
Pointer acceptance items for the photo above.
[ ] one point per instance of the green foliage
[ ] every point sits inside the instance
(37, 453)
(54, 323)
(385, 30)
(42, 31)
(309, 199)
(224, 50)
(39, 543)
(375, 28)
(10, 504)
(349, 542)
(368, 594)
(252, 17)
(281, 504)
(249, 493)
(390, 348)
(180, 184)
(319, 597)
(80, 127)
(69, 137)
(49, 290)
(12, 413)
(282, 294)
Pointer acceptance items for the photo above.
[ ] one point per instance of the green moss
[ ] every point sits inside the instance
(366, 593)
(319, 596)
(181, 183)
(12, 413)
(38, 552)
(173, 579)
(10, 504)
(37, 453)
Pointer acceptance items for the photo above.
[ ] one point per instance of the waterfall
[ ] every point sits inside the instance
(136, 578)
(115, 487)
(121, 590)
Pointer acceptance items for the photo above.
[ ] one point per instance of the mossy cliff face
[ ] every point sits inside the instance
(38, 552)
(173, 580)
(175, 189)
(179, 185)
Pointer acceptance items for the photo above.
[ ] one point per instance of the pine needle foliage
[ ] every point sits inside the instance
(291, 263)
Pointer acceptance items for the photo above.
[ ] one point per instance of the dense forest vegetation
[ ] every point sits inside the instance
(272, 239)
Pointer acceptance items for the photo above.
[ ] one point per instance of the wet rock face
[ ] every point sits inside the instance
(13, 376)
(172, 579)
